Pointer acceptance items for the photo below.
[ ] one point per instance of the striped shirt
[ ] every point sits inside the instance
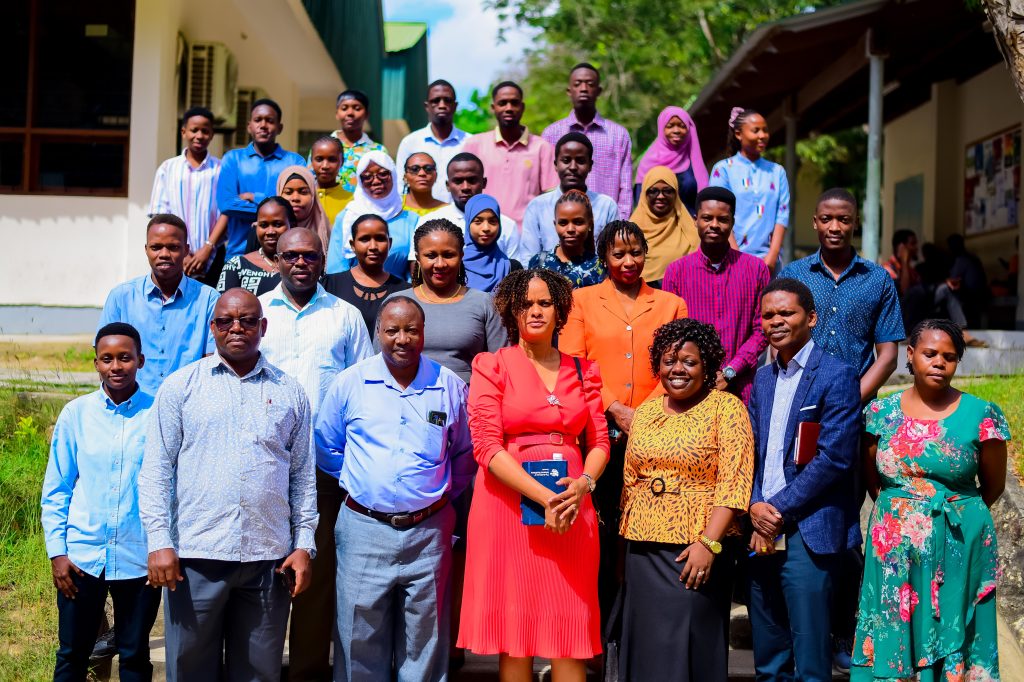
(729, 298)
(612, 173)
(189, 193)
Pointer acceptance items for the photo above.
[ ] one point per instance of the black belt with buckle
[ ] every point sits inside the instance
(401, 519)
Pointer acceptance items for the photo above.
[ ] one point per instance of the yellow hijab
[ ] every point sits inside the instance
(668, 238)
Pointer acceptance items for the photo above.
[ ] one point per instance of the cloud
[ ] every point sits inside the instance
(463, 42)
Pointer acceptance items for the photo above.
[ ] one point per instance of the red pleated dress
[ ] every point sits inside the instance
(528, 591)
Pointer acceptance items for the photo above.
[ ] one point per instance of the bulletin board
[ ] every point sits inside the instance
(992, 182)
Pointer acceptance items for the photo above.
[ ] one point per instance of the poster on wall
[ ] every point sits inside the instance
(992, 182)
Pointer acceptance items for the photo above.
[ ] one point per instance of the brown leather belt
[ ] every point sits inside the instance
(525, 440)
(401, 519)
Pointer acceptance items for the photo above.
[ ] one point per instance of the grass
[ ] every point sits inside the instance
(45, 355)
(1007, 393)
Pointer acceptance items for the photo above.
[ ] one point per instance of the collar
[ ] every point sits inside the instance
(217, 364)
(817, 263)
(206, 163)
(279, 298)
(153, 290)
(730, 258)
(454, 138)
(598, 121)
(365, 139)
(524, 139)
(377, 372)
(276, 154)
(801, 357)
(123, 406)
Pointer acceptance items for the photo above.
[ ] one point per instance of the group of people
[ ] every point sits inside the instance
(337, 437)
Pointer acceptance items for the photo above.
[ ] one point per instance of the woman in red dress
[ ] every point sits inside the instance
(532, 590)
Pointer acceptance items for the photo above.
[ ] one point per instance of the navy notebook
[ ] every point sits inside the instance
(548, 472)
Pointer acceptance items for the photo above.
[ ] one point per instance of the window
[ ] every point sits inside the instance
(67, 87)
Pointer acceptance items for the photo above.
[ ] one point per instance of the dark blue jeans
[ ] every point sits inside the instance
(135, 607)
(790, 604)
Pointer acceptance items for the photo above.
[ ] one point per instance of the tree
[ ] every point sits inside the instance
(476, 117)
(1007, 17)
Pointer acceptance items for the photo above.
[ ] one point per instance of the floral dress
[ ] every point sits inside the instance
(583, 272)
(927, 603)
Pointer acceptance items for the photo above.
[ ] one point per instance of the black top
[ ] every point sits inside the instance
(366, 300)
(240, 272)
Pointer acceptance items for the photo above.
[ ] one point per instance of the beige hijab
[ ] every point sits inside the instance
(317, 218)
(668, 238)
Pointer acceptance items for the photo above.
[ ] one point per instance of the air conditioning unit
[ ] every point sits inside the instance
(212, 82)
(246, 96)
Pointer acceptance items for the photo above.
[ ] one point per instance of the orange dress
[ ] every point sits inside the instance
(528, 591)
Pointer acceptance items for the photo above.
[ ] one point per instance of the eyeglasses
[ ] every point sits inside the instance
(292, 257)
(427, 167)
(439, 100)
(382, 175)
(660, 191)
(224, 324)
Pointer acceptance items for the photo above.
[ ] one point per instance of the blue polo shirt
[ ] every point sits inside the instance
(855, 312)
(174, 332)
(245, 170)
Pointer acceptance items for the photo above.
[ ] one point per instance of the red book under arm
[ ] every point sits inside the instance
(806, 446)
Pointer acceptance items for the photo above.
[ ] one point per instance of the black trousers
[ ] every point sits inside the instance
(606, 500)
(135, 607)
(668, 631)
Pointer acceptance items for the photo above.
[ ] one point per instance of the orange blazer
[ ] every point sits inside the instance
(599, 329)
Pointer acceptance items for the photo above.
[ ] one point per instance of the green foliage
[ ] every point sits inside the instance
(651, 54)
(476, 117)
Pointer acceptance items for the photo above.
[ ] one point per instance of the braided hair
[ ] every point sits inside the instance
(947, 327)
(429, 227)
(624, 230)
(289, 212)
(575, 196)
(510, 298)
(671, 337)
(736, 125)
(327, 139)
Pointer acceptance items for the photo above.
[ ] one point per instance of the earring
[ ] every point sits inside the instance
(417, 275)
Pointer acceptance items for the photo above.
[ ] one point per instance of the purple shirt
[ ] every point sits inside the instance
(613, 164)
(729, 298)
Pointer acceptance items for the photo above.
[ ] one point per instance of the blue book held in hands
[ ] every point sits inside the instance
(548, 472)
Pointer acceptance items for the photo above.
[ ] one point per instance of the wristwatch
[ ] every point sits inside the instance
(590, 483)
(729, 373)
(714, 545)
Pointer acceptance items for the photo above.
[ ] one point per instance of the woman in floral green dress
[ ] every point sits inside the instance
(936, 460)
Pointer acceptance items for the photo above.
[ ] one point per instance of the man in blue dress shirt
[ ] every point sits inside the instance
(171, 311)
(396, 423)
(90, 512)
(249, 175)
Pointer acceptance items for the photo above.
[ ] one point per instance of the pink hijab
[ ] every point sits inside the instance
(677, 159)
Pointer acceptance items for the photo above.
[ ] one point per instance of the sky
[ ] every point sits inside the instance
(463, 41)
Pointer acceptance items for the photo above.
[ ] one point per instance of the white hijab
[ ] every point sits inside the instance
(362, 203)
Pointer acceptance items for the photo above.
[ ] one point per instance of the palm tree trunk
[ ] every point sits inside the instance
(1007, 18)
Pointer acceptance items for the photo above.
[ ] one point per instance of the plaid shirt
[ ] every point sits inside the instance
(613, 162)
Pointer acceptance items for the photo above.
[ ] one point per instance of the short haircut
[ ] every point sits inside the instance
(266, 102)
(837, 194)
(327, 139)
(948, 327)
(397, 300)
(574, 137)
(119, 329)
(197, 111)
(722, 194)
(505, 84)
(168, 219)
(466, 157)
(575, 196)
(624, 230)
(440, 82)
(426, 154)
(671, 337)
(585, 65)
(510, 298)
(902, 237)
(289, 212)
(793, 286)
(357, 95)
(365, 218)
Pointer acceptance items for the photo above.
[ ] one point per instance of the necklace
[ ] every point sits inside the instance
(431, 299)
(270, 263)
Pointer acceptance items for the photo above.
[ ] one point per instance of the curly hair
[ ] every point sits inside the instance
(624, 230)
(948, 327)
(510, 298)
(672, 335)
(437, 225)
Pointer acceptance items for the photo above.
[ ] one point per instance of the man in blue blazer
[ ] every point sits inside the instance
(804, 516)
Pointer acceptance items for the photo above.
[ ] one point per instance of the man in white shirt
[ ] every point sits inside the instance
(440, 138)
(466, 180)
(312, 336)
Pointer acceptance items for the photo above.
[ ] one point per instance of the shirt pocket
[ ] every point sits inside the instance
(273, 428)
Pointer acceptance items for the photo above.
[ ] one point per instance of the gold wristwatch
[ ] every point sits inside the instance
(714, 545)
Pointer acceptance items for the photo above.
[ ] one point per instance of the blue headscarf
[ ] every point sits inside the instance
(485, 265)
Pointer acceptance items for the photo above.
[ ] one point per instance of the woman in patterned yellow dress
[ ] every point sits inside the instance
(936, 462)
(688, 472)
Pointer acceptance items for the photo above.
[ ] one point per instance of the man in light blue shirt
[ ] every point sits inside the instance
(171, 311)
(228, 499)
(440, 138)
(249, 175)
(90, 512)
(397, 424)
